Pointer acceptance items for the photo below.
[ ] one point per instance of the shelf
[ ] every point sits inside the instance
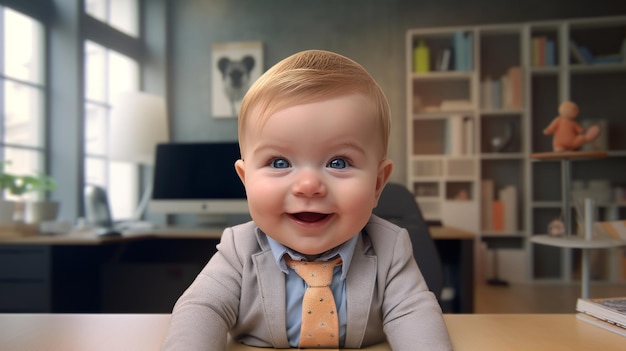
(492, 234)
(500, 112)
(557, 204)
(568, 155)
(597, 68)
(505, 145)
(443, 75)
(502, 156)
(548, 71)
(576, 242)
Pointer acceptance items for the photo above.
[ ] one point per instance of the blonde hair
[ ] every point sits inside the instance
(312, 76)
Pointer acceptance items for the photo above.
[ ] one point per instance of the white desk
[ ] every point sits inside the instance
(106, 332)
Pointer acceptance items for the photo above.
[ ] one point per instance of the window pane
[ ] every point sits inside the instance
(122, 15)
(96, 72)
(23, 53)
(23, 114)
(108, 74)
(125, 16)
(97, 9)
(124, 74)
(95, 129)
(95, 171)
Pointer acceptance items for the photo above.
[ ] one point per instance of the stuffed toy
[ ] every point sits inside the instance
(568, 134)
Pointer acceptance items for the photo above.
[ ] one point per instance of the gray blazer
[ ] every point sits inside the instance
(242, 291)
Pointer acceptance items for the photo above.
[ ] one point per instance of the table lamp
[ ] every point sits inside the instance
(138, 123)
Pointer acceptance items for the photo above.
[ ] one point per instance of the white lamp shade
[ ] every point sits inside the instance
(138, 123)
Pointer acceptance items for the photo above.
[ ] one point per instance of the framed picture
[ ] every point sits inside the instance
(234, 67)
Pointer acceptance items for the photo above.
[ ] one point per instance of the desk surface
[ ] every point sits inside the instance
(87, 238)
(68, 332)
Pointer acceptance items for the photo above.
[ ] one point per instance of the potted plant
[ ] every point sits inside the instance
(35, 211)
(29, 210)
(7, 207)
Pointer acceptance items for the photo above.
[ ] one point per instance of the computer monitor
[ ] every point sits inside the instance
(197, 178)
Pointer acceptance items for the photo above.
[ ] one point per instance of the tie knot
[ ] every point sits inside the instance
(315, 274)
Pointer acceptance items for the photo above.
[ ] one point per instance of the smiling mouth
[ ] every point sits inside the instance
(309, 217)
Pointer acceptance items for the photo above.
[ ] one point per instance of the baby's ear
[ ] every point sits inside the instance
(384, 172)
(241, 170)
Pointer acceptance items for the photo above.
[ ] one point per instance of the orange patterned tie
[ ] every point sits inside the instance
(320, 325)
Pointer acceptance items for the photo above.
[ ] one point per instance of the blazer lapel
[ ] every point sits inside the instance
(272, 296)
(360, 284)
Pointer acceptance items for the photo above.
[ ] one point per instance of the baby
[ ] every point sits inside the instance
(313, 134)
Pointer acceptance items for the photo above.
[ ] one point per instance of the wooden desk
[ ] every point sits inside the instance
(78, 332)
(64, 273)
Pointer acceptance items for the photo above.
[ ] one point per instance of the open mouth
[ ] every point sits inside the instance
(309, 217)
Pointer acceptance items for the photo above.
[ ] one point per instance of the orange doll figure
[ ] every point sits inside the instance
(568, 134)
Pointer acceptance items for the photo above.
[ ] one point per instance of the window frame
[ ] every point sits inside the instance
(38, 150)
(112, 39)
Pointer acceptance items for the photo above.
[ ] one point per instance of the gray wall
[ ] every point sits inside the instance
(371, 32)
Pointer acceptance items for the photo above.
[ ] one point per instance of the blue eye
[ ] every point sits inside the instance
(338, 163)
(280, 163)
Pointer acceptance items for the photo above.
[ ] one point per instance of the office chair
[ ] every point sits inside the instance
(397, 205)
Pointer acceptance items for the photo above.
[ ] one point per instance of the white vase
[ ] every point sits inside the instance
(7, 211)
(40, 211)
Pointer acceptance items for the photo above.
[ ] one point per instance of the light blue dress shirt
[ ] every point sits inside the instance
(295, 286)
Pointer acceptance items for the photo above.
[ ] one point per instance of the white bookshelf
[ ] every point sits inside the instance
(447, 180)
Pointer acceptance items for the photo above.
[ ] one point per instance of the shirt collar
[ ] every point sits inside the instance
(345, 251)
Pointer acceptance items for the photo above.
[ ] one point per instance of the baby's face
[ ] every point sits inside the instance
(314, 172)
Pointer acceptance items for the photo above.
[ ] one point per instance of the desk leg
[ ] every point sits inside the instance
(457, 258)
(467, 276)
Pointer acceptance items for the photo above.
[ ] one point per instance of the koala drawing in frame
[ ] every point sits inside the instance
(236, 78)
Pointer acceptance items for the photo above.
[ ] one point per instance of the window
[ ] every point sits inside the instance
(108, 73)
(119, 14)
(22, 94)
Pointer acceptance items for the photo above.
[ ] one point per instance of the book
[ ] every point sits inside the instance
(600, 323)
(455, 105)
(587, 54)
(455, 136)
(610, 229)
(486, 199)
(540, 51)
(458, 43)
(515, 82)
(498, 216)
(486, 87)
(611, 310)
(508, 197)
(576, 54)
(443, 61)
(550, 53)
(468, 135)
(462, 47)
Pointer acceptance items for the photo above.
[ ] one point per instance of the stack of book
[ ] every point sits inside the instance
(608, 313)
(503, 93)
(543, 52)
(462, 44)
(499, 208)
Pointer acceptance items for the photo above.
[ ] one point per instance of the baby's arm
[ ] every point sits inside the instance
(204, 314)
(553, 126)
(578, 128)
(413, 319)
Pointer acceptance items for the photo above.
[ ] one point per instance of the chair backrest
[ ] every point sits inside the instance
(397, 205)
